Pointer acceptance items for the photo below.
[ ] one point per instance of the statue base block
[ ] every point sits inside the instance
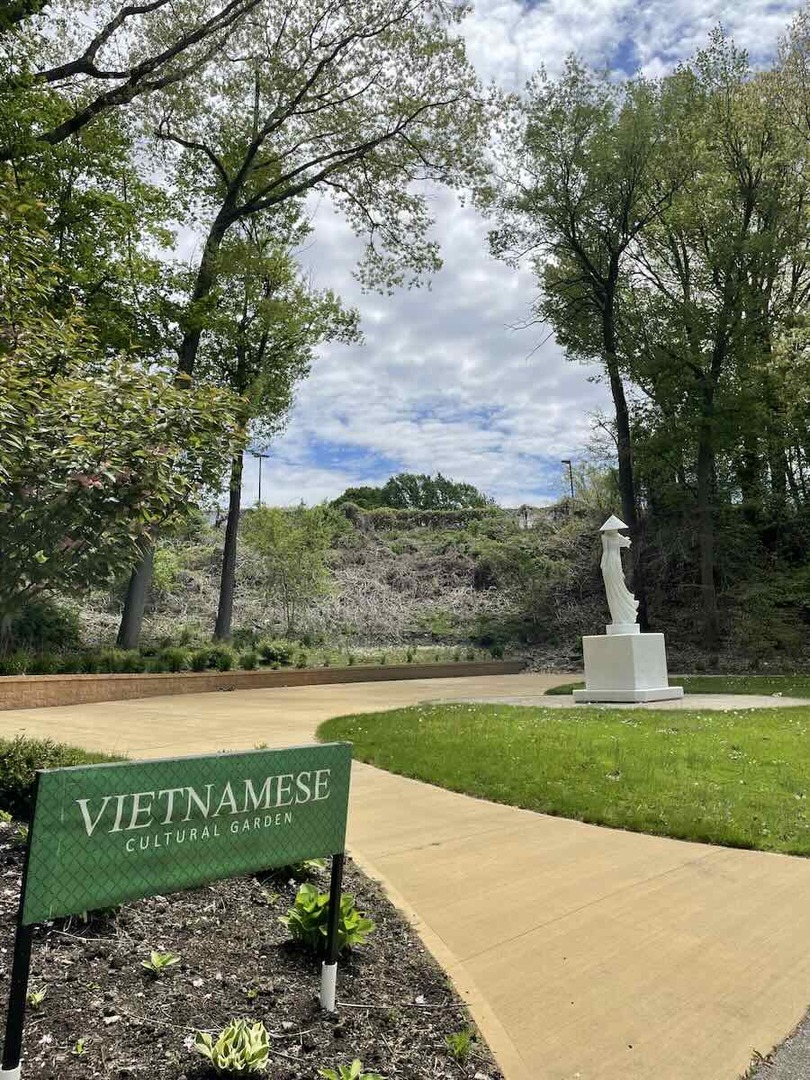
(626, 667)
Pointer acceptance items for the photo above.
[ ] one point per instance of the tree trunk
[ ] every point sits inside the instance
(627, 487)
(132, 616)
(222, 630)
(129, 632)
(705, 524)
(207, 274)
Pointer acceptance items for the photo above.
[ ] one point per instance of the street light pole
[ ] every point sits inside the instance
(261, 458)
(567, 461)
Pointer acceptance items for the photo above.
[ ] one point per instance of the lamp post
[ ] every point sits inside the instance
(261, 458)
(567, 461)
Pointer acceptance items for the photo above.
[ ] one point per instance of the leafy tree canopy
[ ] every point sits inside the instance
(97, 451)
(412, 491)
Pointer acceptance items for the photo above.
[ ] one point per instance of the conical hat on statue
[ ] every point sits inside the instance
(613, 524)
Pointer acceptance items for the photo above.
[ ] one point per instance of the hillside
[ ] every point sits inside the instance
(523, 583)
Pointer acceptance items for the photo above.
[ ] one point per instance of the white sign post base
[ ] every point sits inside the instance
(328, 988)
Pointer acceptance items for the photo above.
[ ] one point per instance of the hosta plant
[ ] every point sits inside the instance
(307, 920)
(349, 1072)
(159, 962)
(239, 1048)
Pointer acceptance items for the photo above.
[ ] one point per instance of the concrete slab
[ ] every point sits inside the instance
(586, 953)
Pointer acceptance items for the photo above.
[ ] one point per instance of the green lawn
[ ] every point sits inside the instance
(740, 778)
(786, 685)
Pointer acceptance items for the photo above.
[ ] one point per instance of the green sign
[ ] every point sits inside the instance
(103, 834)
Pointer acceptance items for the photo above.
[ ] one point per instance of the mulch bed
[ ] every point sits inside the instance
(395, 1005)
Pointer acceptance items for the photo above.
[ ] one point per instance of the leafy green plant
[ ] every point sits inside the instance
(222, 657)
(36, 997)
(239, 1048)
(249, 660)
(175, 658)
(308, 918)
(20, 757)
(460, 1044)
(349, 1072)
(276, 652)
(200, 659)
(159, 962)
(79, 1047)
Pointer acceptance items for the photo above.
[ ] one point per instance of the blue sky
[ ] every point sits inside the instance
(443, 383)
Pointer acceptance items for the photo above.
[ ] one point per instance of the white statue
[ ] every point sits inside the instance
(623, 605)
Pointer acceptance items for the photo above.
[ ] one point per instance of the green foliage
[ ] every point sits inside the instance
(291, 546)
(460, 1044)
(160, 962)
(98, 450)
(411, 491)
(175, 658)
(348, 1072)
(307, 920)
(36, 997)
(276, 652)
(249, 660)
(20, 757)
(241, 1047)
(42, 625)
(200, 659)
(165, 569)
(222, 657)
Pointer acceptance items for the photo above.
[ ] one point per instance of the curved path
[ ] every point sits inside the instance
(586, 953)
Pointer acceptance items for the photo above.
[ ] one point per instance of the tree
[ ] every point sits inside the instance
(715, 281)
(120, 52)
(581, 182)
(96, 451)
(258, 342)
(292, 547)
(412, 491)
(362, 102)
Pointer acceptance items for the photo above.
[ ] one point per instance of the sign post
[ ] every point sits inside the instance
(104, 834)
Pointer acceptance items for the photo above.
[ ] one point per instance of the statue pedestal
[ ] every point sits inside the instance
(626, 667)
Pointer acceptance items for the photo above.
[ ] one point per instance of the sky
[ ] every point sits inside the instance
(446, 381)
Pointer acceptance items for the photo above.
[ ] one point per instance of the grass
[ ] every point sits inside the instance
(784, 685)
(739, 778)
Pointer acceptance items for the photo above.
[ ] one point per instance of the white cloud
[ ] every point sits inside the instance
(443, 383)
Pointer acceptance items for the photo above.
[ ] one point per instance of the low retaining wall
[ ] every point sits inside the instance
(37, 691)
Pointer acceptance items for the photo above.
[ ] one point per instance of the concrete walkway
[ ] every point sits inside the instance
(586, 953)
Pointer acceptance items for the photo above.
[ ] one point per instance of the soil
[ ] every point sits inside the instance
(105, 1015)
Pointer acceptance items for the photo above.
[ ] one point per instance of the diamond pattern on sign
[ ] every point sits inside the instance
(103, 834)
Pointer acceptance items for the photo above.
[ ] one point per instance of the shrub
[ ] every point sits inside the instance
(276, 652)
(249, 660)
(15, 663)
(46, 663)
(307, 920)
(21, 757)
(239, 1048)
(243, 638)
(222, 657)
(69, 663)
(111, 661)
(200, 659)
(175, 658)
(303, 659)
(44, 626)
